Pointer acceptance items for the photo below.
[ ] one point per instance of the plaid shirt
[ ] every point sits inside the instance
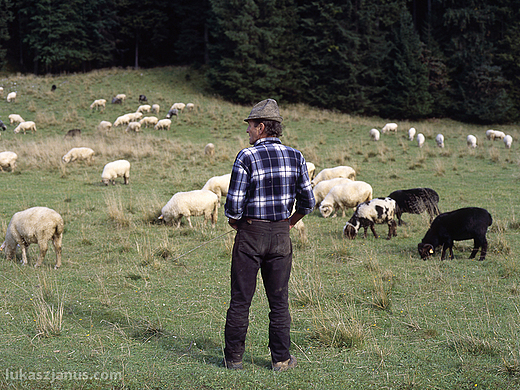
(266, 179)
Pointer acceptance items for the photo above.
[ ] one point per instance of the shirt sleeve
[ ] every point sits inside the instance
(305, 201)
(237, 193)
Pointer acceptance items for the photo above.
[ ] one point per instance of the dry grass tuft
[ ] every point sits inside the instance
(49, 317)
(339, 329)
(115, 210)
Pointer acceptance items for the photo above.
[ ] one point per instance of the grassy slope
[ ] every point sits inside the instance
(131, 305)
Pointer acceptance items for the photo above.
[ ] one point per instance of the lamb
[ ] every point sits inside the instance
(11, 97)
(218, 185)
(374, 134)
(344, 196)
(163, 124)
(508, 141)
(178, 106)
(411, 133)
(191, 203)
(209, 149)
(104, 126)
(133, 126)
(3, 126)
(471, 140)
(115, 169)
(25, 126)
(36, 225)
(148, 121)
(190, 106)
(98, 104)
(8, 160)
(15, 119)
(311, 169)
(142, 98)
(78, 154)
(321, 189)
(462, 224)
(389, 127)
(156, 108)
(73, 133)
(172, 112)
(121, 97)
(122, 120)
(379, 210)
(331, 173)
(144, 108)
(420, 140)
(117, 101)
(415, 201)
(440, 140)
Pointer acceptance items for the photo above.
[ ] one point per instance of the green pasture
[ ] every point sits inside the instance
(132, 308)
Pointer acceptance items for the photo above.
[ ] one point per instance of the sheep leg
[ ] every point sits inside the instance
(57, 248)
(24, 254)
(392, 229)
(443, 254)
(43, 250)
(125, 179)
(483, 250)
(189, 221)
(373, 230)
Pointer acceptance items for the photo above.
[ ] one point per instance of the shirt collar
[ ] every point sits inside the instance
(271, 140)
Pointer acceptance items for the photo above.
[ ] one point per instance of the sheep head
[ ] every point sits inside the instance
(350, 231)
(326, 210)
(425, 250)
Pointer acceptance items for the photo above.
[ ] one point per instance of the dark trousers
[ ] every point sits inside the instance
(264, 246)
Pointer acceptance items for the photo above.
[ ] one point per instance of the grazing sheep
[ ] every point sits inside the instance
(98, 104)
(411, 133)
(163, 124)
(218, 185)
(25, 126)
(53, 88)
(191, 203)
(331, 173)
(148, 121)
(8, 159)
(73, 133)
(508, 141)
(142, 99)
(462, 224)
(389, 127)
(344, 196)
(144, 108)
(104, 126)
(36, 225)
(490, 135)
(117, 101)
(121, 96)
(379, 210)
(122, 120)
(156, 108)
(78, 154)
(115, 169)
(311, 169)
(172, 112)
(471, 140)
(415, 201)
(420, 140)
(178, 106)
(15, 119)
(1, 91)
(190, 106)
(321, 189)
(499, 135)
(134, 116)
(11, 97)
(440, 140)
(374, 134)
(3, 126)
(209, 149)
(133, 126)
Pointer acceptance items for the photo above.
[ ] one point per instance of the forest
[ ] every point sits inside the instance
(401, 59)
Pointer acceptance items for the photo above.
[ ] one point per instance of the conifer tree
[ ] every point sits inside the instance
(6, 17)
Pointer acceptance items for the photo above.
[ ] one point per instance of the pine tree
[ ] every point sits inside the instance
(6, 17)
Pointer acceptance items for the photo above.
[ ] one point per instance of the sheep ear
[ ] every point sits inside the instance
(431, 250)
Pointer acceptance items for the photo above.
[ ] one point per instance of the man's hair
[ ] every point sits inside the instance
(272, 128)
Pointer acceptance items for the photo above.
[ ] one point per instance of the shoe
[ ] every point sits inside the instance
(232, 365)
(285, 365)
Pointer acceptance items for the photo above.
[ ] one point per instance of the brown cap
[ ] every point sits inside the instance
(266, 109)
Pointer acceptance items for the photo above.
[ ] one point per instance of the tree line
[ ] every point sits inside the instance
(391, 58)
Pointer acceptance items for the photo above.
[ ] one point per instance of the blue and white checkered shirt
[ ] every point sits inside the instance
(266, 179)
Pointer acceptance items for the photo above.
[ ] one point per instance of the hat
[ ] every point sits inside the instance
(266, 109)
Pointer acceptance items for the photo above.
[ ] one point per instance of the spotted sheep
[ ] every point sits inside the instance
(367, 214)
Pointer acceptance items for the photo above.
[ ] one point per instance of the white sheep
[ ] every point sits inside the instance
(8, 160)
(79, 154)
(115, 169)
(508, 141)
(121, 96)
(311, 169)
(11, 97)
(209, 149)
(490, 135)
(134, 116)
(144, 108)
(374, 134)
(15, 118)
(133, 126)
(218, 185)
(25, 126)
(156, 108)
(98, 104)
(471, 140)
(411, 133)
(440, 140)
(191, 203)
(104, 126)
(344, 196)
(389, 127)
(1, 91)
(321, 189)
(36, 225)
(499, 135)
(163, 124)
(122, 120)
(420, 140)
(190, 106)
(331, 173)
(178, 106)
(148, 121)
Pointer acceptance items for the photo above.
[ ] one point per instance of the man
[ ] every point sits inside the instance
(266, 180)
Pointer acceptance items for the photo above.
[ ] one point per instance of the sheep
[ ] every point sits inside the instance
(134, 116)
(8, 159)
(121, 96)
(73, 133)
(321, 189)
(331, 173)
(389, 127)
(133, 126)
(11, 97)
(508, 141)
(462, 224)
(218, 185)
(142, 98)
(148, 121)
(104, 126)
(1, 91)
(311, 169)
(98, 104)
(471, 140)
(191, 203)
(3, 126)
(36, 225)
(490, 135)
(78, 154)
(178, 106)
(117, 101)
(115, 169)
(209, 149)
(53, 88)
(172, 112)
(420, 140)
(155, 108)
(344, 196)
(415, 201)
(190, 106)
(122, 120)
(15, 119)
(163, 124)
(25, 126)
(144, 108)
(374, 134)
(499, 135)
(411, 133)
(440, 140)
(379, 210)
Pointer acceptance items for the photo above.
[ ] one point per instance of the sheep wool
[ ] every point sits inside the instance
(345, 196)
(389, 127)
(411, 133)
(133, 126)
(331, 173)
(420, 140)
(163, 124)
(156, 108)
(98, 104)
(508, 141)
(471, 140)
(148, 121)
(191, 203)
(374, 134)
(11, 97)
(321, 189)
(8, 160)
(440, 140)
(311, 169)
(115, 169)
(15, 119)
(379, 210)
(25, 126)
(218, 185)
(79, 154)
(104, 126)
(144, 108)
(122, 120)
(209, 149)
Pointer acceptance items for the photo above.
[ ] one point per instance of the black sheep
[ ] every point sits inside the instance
(142, 99)
(2, 125)
(462, 224)
(415, 201)
(73, 133)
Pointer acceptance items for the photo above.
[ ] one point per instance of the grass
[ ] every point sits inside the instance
(129, 299)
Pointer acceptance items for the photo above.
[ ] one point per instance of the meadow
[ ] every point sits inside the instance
(141, 305)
